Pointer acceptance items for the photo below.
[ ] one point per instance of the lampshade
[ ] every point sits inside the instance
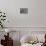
(7, 30)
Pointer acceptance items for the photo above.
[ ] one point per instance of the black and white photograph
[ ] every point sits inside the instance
(23, 10)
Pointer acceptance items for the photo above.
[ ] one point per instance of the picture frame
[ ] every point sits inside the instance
(23, 10)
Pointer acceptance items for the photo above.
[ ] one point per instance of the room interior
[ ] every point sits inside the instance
(22, 22)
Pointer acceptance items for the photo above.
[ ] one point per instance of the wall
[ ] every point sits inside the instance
(38, 13)
(12, 9)
(35, 18)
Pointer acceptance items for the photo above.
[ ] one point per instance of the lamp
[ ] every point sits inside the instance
(7, 31)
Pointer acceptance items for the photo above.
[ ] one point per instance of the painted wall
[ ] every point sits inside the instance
(12, 9)
(38, 13)
(36, 16)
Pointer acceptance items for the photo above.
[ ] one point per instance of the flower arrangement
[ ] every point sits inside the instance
(2, 19)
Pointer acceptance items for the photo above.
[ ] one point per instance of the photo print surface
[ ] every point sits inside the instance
(23, 10)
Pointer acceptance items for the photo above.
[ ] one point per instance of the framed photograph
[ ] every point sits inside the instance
(23, 10)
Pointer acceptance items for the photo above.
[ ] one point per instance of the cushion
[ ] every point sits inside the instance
(26, 39)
